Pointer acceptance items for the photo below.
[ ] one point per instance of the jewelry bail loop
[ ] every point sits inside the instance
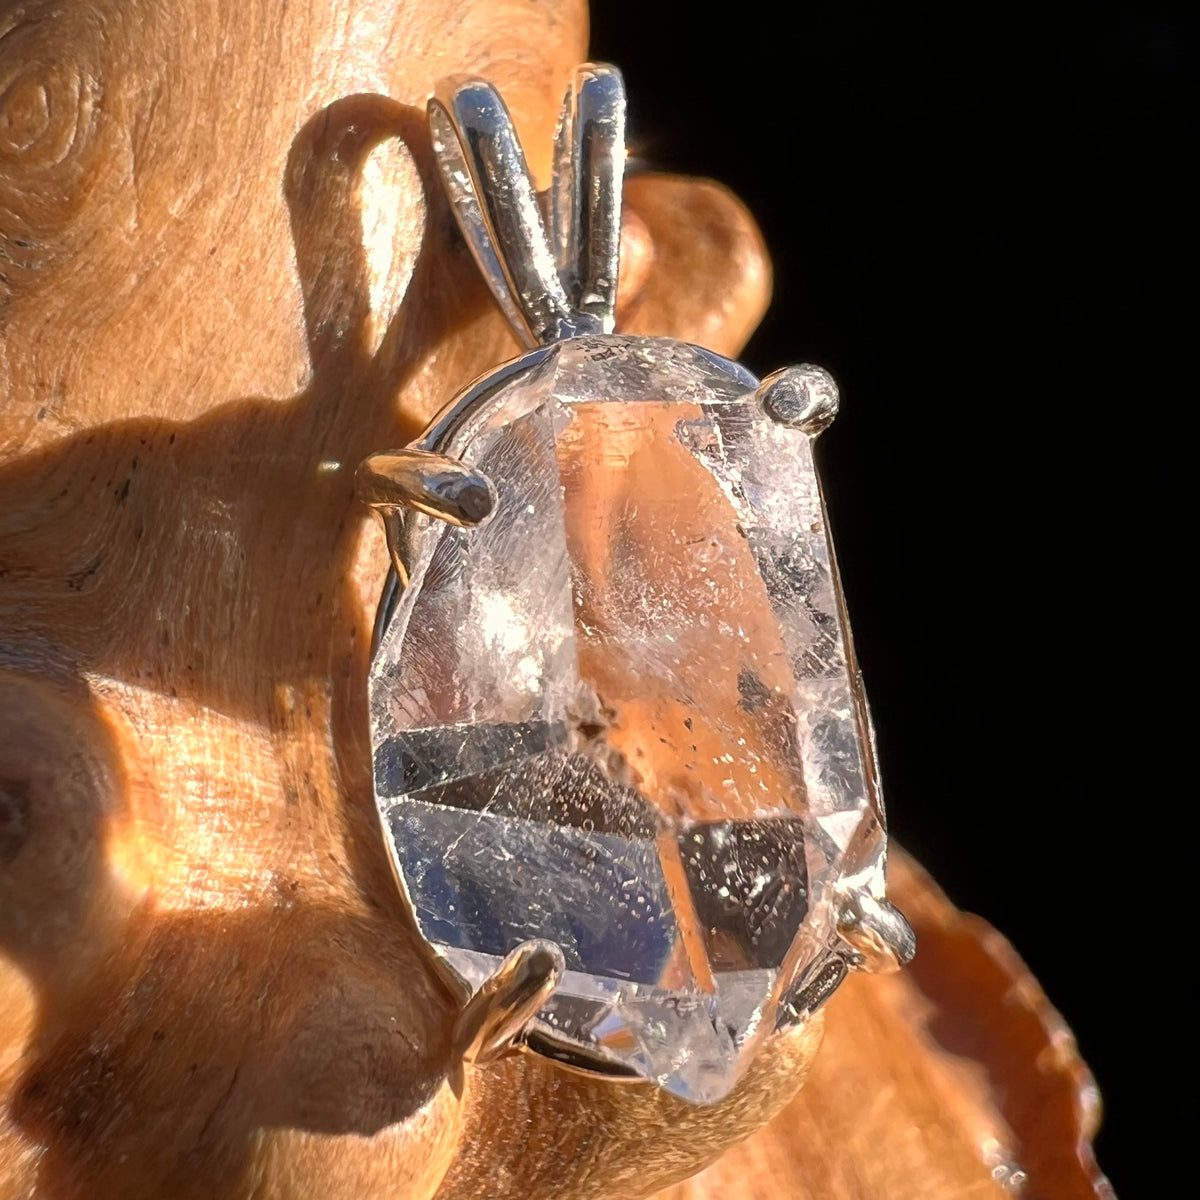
(548, 289)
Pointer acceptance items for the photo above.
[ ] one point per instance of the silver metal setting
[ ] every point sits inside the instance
(443, 487)
(546, 291)
(589, 168)
(555, 285)
(392, 481)
(804, 397)
(878, 936)
(493, 1021)
(811, 991)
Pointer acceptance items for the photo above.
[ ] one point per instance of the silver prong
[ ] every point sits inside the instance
(393, 532)
(811, 991)
(497, 208)
(493, 1019)
(880, 939)
(443, 487)
(395, 481)
(803, 397)
(589, 169)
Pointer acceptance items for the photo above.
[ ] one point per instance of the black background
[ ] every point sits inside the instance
(974, 216)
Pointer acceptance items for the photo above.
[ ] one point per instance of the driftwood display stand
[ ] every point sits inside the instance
(226, 275)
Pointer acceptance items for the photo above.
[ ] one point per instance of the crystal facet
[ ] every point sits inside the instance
(623, 714)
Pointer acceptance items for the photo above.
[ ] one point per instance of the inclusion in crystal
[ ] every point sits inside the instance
(623, 715)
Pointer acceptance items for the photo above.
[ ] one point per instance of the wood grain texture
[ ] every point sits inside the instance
(227, 274)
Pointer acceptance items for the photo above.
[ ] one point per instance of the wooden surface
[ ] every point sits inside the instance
(226, 275)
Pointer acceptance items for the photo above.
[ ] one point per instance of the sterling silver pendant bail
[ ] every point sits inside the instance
(622, 756)
(548, 287)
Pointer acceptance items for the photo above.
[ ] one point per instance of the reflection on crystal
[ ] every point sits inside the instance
(748, 882)
(486, 882)
(623, 715)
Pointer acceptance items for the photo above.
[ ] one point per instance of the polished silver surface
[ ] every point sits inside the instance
(803, 397)
(443, 487)
(479, 401)
(547, 291)
(589, 168)
(494, 200)
(397, 482)
(811, 991)
(879, 937)
(494, 1019)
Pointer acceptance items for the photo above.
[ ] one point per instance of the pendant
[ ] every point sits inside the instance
(622, 756)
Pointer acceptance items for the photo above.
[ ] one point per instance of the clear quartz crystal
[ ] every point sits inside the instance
(624, 715)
